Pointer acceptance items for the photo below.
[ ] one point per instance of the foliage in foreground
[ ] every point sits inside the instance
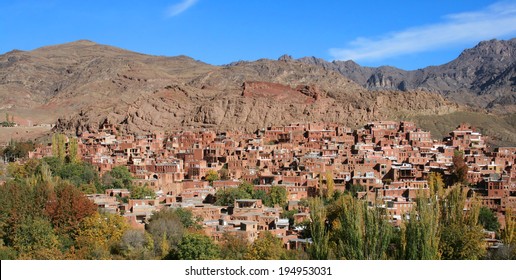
(44, 214)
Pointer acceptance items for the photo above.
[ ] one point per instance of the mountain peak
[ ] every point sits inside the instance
(83, 42)
(285, 58)
(491, 48)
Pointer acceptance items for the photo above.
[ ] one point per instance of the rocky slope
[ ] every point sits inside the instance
(483, 76)
(252, 95)
(61, 80)
(81, 85)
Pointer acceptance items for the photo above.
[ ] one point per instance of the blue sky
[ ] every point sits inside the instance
(405, 34)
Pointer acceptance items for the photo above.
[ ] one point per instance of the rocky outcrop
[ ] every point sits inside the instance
(281, 92)
(481, 77)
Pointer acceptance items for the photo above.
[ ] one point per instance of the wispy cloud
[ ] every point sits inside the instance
(178, 8)
(494, 21)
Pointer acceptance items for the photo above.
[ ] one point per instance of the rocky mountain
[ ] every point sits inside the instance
(482, 77)
(81, 85)
(252, 95)
(61, 80)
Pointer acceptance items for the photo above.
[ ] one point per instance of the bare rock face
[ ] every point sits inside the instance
(481, 77)
(311, 91)
(268, 90)
(301, 94)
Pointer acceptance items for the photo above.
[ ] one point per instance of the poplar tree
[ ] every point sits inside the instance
(330, 185)
(461, 234)
(422, 230)
(363, 233)
(436, 184)
(73, 150)
(58, 146)
(319, 249)
(509, 232)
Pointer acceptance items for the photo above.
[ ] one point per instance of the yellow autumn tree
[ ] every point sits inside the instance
(330, 184)
(509, 232)
(436, 184)
(98, 233)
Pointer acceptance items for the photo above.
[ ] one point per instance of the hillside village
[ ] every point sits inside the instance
(386, 163)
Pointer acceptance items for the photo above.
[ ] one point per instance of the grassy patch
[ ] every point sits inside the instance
(501, 130)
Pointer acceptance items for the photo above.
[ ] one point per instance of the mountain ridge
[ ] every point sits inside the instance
(482, 76)
(81, 85)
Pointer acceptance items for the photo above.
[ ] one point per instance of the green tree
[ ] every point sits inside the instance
(320, 186)
(508, 250)
(488, 219)
(79, 173)
(421, 233)
(277, 196)
(509, 236)
(118, 178)
(73, 150)
(164, 245)
(226, 197)
(53, 163)
(461, 234)
(509, 232)
(266, 247)
(59, 146)
(361, 233)
(83, 175)
(23, 171)
(35, 239)
(247, 187)
(319, 249)
(142, 192)
(16, 150)
(8, 253)
(260, 194)
(21, 200)
(187, 218)
(355, 189)
(196, 246)
(8, 122)
(224, 173)
(167, 230)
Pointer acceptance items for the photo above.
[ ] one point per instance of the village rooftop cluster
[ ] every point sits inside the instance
(390, 161)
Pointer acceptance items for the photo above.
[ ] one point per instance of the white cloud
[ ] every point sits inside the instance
(494, 21)
(178, 8)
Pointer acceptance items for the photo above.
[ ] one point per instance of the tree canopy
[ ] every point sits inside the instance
(195, 246)
(488, 219)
